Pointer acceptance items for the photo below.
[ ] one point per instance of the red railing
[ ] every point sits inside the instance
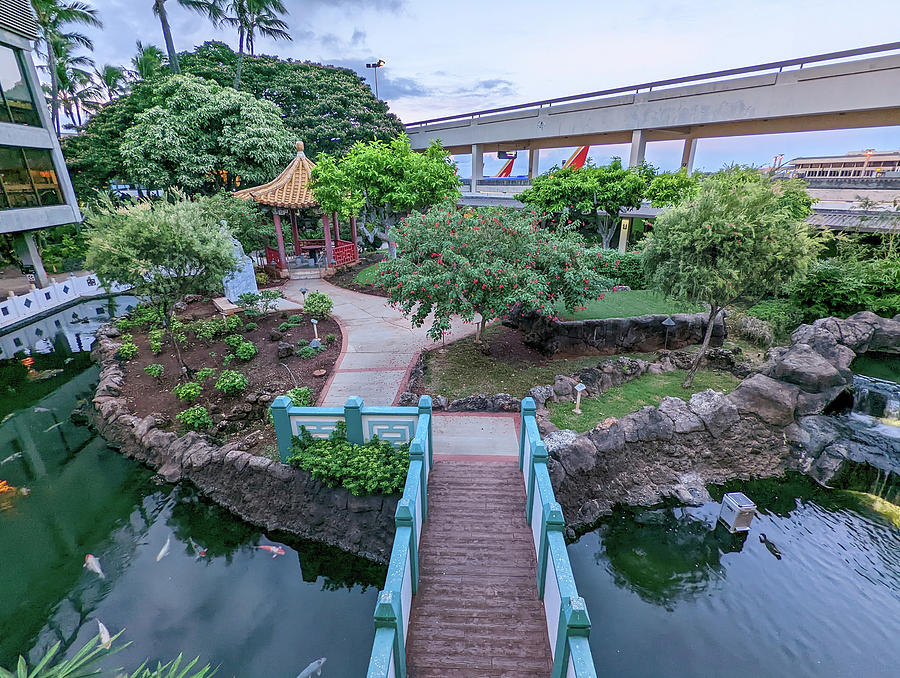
(345, 252)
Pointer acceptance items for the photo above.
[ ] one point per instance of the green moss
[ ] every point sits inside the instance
(649, 389)
(630, 303)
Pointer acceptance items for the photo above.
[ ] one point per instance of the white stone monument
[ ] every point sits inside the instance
(243, 280)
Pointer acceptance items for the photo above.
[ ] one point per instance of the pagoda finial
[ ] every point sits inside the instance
(299, 146)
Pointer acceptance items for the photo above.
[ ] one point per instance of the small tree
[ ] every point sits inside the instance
(484, 262)
(165, 250)
(592, 195)
(741, 235)
(382, 183)
(670, 188)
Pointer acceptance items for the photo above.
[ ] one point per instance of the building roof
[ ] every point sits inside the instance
(857, 220)
(288, 189)
(16, 16)
(854, 156)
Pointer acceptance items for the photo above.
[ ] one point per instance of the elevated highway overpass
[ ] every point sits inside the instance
(837, 90)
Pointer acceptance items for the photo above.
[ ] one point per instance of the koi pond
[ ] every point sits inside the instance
(813, 590)
(222, 591)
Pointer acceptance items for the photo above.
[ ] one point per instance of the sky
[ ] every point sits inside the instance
(446, 57)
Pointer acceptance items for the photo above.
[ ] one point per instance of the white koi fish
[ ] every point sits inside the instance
(105, 639)
(91, 563)
(12, 457)
(164, 551)
(41, 409)
(315, 667)
(57, 425)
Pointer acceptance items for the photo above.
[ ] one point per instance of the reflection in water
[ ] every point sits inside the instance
(235, 606)
(670, 594)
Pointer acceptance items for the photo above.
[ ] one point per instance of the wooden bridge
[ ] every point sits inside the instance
(479, 582)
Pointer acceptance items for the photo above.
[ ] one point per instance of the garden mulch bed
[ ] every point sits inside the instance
(345, 277)
(265, 371)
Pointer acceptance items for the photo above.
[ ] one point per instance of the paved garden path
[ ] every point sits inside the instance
(380, 346)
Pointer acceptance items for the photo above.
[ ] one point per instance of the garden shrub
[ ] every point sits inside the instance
(155, 337)
(246, 350)
(233, 341)
(128, 349)
(318, 305)
(752, 329)
(251, 327)
(295, 319)
(207, 330)
(832, 287)
(140, 316)
(188, 391)
(284, 327)
(231, 382)
(375, 467)
(195, 418)
(205, 373)
(302, 342)
(226, 361)
(300, 396)
(626, 268)
(330, 338)
(307, 352)
(177, 328)
(268, 299)
(782, 314)
(233, 323)
(155, 370)
(262, 279)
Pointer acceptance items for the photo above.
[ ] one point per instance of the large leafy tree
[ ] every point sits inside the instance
(486, 261)
(381, 183)
(55, 21)
(202, 137)
(165, 250)
(670, 188)
(742, 234)
(251, 17)
(329, 108)
(592, 195)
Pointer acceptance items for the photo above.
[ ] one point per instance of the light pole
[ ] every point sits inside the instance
(668, 323)
(378, 64)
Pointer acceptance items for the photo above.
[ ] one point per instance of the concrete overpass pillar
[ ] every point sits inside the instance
(27, 250)
(687, 156)
(534, 160)
(638, 147)
(477, 166)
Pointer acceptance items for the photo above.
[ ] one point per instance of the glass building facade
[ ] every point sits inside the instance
(16, 98)
(28, 178)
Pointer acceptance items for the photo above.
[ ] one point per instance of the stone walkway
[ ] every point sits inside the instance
(380, 346)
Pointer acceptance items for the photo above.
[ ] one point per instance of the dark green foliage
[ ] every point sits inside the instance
(782, 314)
(155, 370)
(155, 337)
(373, 468)
(284, 327)
(329, 108)
(302, 342)
(205, 373)
(233, 341)
(63, 248)
(295, 319)
(128, 349)
(300, 396)
(330, 338)
(245, 220)
(231, 382)
(626, 268)
(141, 316)
(318, 305)
(251, 327)
(195, 418)
(307, 352)
(207, 330)
(188, 391)
(246, 350)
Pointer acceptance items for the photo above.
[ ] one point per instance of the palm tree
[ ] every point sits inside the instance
(208, 7)
(54, 17)
(75, 83)
(112, 81)
(148, 61)
(251, 17)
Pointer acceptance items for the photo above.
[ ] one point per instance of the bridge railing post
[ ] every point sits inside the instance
(389, 615)
(538, 456)
(404, 516)
(426, 409)
(552, 521)
(282, 421)
(574, 623)
(353, 420)
(528, 409)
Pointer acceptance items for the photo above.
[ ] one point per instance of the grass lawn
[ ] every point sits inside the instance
(367, 276)
(647, 390)
(630, 303)
(463, 370)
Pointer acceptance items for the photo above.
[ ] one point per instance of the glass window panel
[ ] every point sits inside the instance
(15, 181)
(17, 101)
(43, 176)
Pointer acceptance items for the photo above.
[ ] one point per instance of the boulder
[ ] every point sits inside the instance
(717, 413)
(285, 350)
(579, 456)
(680, 413)
(558, 441)
(275, 335)
(806, 368)
(609, 440)
(408, 399)
(564, 385)
(541, 395)
(770, 400)
(439, 402)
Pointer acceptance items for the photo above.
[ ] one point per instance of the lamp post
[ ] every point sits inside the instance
(579, 389)
(376, 65)
(668, 323)
(303, 291)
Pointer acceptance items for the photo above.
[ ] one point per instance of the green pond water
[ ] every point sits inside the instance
(670, 594)
(236, 607)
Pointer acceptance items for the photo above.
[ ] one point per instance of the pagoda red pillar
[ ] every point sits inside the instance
(329, 249)
(282, 263)
(295, 232)
(353, 230)
(337, 228)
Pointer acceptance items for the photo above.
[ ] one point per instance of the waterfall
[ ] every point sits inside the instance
(876, 397)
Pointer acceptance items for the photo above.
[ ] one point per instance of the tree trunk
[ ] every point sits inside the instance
(713, 312)
(54, 86)
(240, 59)
(174, 66)
(479, 329)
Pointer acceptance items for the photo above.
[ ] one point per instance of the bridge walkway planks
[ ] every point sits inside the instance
(477, 612)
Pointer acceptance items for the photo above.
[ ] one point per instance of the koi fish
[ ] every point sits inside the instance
(12, 457)
(6, 487)
(105, 639)
(91, 563)
(164, 551)
(275, 551)
(47, 430)
(7, 417)
(315, 667)
(41, 409)
(199, 551)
